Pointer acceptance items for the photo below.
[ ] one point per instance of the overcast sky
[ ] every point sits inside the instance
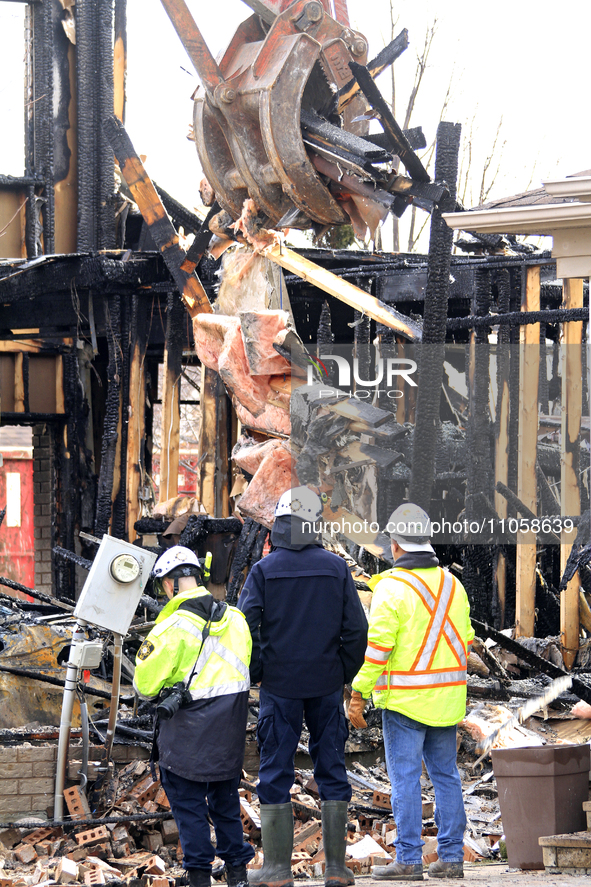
(524, 61)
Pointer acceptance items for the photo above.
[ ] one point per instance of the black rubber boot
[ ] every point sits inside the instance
(236, 875)
(334, 832)
(199, 877)
(277, 836)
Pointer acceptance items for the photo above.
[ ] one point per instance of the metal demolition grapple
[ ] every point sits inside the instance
(282, 120)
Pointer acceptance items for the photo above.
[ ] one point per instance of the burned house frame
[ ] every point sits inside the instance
(90, 308)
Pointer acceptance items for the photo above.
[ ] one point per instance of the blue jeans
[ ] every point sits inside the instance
(407, 743)
(278, 734)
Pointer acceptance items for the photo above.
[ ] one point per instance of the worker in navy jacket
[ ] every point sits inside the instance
(309, 639)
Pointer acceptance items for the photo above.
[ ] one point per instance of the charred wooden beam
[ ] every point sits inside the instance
(119, 493)
(111, 421)
(106, 274)
(383, 60)
(527, 488)
(160, 226)
(434, 322)
(57, 682)
(399, 142)
(39, 595)
(242, 556)
(502, 436)
(582, 690)
(517, 318)
(72, 557)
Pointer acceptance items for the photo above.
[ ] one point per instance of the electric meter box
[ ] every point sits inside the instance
(114, 585)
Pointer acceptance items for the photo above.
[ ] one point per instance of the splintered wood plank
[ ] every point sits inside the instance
(136, 431)
(19, 384)
(570, 499)
(155, 217)
(169, 454)
(347, 292)
(213, 485)
(60, 406)
(529, 368)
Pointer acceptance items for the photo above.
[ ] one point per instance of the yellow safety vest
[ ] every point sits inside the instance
(174, 649)
(418, 643)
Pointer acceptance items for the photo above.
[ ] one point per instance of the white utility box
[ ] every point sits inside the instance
(114, 585)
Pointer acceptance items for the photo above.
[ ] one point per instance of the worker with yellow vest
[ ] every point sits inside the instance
(195, 661)
(415, 664)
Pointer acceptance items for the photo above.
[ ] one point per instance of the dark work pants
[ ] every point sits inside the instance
(278, 734)
(191, 802)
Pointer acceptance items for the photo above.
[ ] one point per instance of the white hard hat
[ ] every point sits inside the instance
(179, 561)
(410, 527)
(301, 502)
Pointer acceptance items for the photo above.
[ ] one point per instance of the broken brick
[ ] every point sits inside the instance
(152, 841)
(155, 866)
(170, 831)
(160, 882)
(41, 834)
(121, 849)
(78, 854)
(94, 876)
(66, 871)
(120, 833)
(151, 807)
(251, 823)
(76, 803)
(92, 836)
(25, 853)
(311, 787)
(382, 799)
(149, 793)
(161, 799)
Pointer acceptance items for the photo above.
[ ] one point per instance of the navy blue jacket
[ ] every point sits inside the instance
(308, 626)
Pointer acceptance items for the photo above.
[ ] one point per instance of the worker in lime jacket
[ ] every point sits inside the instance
(415, 665)
(195, 661)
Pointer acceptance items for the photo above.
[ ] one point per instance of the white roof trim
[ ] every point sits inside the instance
(524, 220)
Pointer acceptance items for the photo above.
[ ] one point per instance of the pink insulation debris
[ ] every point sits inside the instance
(274, 476)
(210, 331)
(259, 330)
(220, 346)
(251, 391)
(248, 453)
(272, 419)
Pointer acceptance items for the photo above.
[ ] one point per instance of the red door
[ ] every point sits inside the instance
(17, 536)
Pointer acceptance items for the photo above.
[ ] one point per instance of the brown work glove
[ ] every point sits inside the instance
(356, 706)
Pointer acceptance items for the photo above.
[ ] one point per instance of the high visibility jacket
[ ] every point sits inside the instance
(419, 638)
(204, 740)
(174, 649)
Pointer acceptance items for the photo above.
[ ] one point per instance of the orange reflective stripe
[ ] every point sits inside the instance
(442, 615)
(373, 654)
(378, 647)
(439, 620)
(382, 681)
(429, 643)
